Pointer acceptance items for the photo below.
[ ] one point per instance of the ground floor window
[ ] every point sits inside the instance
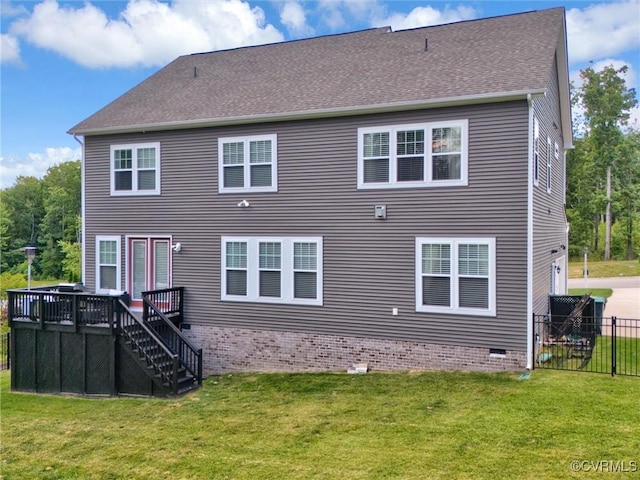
(455, 275)
(108, 256)
(272, 270)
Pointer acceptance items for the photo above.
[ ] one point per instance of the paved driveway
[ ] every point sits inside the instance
(625, 300)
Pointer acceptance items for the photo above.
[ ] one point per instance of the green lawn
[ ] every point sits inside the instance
(627, 355)
(437, 425)
(626, 268)
(594, 292)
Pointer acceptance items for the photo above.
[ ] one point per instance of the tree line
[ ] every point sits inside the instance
(603, 170)
(603, 191)
(44, 213)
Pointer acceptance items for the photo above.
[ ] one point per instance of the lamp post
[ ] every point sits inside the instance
(585, 271)
(30, 252)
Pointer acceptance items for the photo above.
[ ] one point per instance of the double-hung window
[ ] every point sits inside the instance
(455, 275)
(135, 169)
(536, 152)
(247, 164)
(108, 263)
(272, 270)
(548, 165)
(417, 155)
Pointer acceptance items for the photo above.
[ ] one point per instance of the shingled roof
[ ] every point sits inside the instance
(367, 71)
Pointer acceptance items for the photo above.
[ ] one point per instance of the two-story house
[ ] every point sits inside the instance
(395, 198)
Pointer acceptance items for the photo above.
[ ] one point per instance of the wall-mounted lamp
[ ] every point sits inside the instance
(176, 247)
(243, 204)
(563, 246)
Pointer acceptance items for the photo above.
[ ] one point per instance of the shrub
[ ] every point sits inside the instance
(10, 280)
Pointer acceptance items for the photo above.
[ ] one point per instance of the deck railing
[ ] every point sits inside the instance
(162, 309)
(47, 305)
(149, 347)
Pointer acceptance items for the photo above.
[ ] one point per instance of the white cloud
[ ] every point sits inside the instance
(35, 164)
(9, 49)
(147, 32)
(293, 16)
(9, 10)
(603, 30)
(425, 16)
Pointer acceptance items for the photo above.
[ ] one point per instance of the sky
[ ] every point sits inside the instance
(62, 61)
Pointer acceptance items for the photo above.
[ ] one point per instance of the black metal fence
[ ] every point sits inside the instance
(5, 354)
(588, 343)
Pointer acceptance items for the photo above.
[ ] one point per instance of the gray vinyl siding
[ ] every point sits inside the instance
(549, 220)
(369, 265)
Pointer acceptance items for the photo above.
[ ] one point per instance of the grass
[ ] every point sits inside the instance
(627, 355)
(594, 292)
(434, 425)
(627, 268)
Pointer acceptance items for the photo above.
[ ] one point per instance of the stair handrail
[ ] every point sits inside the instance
(169, 377)
(190, 356)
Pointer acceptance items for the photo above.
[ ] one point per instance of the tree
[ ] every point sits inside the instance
(627, 198)
(62, 207)
(606, 102)
(24, 203)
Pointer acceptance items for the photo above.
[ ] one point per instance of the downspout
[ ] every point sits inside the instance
(530, 348)
(82, 212)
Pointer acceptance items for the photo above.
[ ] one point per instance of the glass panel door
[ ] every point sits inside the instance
(138, 265)
(149, 267)
(161, 264)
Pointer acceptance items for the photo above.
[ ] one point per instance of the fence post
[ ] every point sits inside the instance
(613, 346)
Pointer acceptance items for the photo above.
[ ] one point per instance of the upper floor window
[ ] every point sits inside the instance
(456, 275)
(135, 169)
(272, 270)
(417, 155)
(548, 165)
(107, 263)
(536, 152)
(247, 164)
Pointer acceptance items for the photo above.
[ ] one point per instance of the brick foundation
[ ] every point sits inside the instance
(243, 350)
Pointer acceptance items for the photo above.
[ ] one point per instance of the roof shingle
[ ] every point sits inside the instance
(345, 72)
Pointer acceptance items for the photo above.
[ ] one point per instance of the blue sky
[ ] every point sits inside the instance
(62, 61)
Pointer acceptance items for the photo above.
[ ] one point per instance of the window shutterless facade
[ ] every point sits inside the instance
(247, 164)
(456, 275)
(272, 270)
(536, 152)
(548, 165)
(108, 263)
(416, 155)
(135, 169)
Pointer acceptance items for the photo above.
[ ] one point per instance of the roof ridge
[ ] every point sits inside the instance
(295, 40)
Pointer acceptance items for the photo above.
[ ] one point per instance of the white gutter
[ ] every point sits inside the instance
(311, 114)
(530, 349)
(82, 211)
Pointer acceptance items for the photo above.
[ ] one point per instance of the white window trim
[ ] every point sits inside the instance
(455, 309)
(134, 170)
(286, 269)
(109, 238)
(549, 167)
(536, 152)
(428, 182)
(247, 170)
